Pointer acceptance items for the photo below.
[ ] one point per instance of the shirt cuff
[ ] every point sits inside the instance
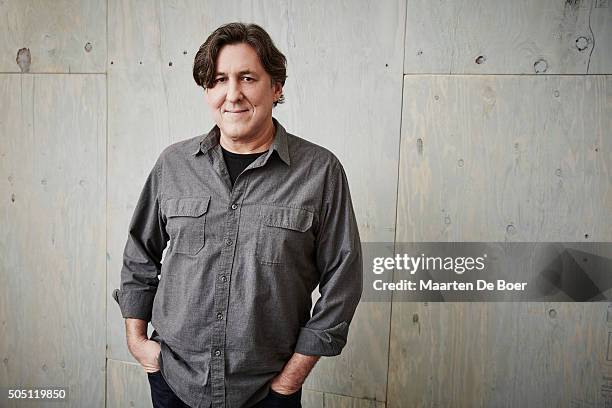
(327, 342)
(136, 304)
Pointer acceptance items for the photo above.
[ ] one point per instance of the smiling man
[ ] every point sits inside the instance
(254, 218)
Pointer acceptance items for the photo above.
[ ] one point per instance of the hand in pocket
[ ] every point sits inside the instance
(147, 354)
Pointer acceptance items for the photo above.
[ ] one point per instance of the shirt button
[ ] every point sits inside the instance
(234, 206)
(228, 242)
(217, 352)
(219, 316)
(223, 278)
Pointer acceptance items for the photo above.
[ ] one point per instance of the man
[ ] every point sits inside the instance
(255, 218)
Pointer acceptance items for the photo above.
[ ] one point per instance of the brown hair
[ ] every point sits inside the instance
(273, 61)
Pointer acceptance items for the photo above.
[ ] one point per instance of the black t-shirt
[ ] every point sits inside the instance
(237, 162)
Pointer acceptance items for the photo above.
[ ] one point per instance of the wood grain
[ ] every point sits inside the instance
(63, 36)
(52, 281)
(501, 37)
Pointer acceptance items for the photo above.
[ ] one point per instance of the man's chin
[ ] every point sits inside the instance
(235, 131)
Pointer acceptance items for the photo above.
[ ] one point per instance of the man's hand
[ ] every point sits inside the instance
(294, 374)
(145, 351)
(283, 386)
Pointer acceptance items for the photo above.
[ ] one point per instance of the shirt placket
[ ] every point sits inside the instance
(222, 282)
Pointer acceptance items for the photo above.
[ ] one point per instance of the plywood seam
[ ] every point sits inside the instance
(51, 73)
(592, 36)
(123, 361)
(106, 328)
(397, 185)
(434, 74)
(342, 395)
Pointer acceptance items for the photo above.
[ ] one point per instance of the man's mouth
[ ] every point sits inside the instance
(236, 111)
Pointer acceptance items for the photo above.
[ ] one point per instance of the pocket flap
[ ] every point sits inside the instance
(289, 218)
(187, 206)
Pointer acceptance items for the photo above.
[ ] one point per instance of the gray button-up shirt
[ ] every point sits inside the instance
(234, 299)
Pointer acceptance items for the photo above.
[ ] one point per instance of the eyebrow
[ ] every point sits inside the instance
(243, 72)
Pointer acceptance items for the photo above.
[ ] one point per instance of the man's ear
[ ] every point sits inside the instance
(278, 90)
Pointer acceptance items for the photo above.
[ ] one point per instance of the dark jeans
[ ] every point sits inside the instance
(276, 400)
(163, 396)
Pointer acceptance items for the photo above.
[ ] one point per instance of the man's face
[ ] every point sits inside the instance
(242, 94)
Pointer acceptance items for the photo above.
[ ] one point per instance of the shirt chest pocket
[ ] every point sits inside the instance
(285, 235)
(186, 223)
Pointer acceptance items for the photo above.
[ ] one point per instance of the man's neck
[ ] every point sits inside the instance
(256, 144)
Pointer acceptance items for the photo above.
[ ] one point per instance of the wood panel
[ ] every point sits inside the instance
(498, 355)
(361, 370)
(508, 37)
(312, 399)
(601, 29)
(127, 386)
(342, 401)
(52, 298)
(504, 158)
(63, 36)
(153, 103)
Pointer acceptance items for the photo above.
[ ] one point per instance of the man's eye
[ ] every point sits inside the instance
(219, 80)
(248, 79)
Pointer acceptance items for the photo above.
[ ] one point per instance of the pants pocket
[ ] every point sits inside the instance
(286, 401)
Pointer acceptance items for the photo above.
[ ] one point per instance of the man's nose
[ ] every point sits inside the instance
(234, 93)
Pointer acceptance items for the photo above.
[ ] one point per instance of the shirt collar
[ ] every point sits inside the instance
(210, 140)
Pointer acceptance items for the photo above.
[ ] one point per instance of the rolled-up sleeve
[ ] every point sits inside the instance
(143, 251)
(339, 260)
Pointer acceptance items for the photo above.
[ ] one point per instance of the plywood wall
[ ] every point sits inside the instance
(455, 120)
(52, 267)
(494, 148)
